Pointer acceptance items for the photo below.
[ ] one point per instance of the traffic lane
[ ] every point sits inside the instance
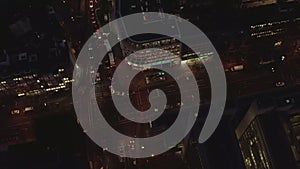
(250, 83)
(246, 80)
(128, 127)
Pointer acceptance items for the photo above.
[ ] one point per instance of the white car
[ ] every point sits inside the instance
(15, 111)
(91, 4)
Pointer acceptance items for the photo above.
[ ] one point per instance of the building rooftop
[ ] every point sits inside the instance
(130, 7)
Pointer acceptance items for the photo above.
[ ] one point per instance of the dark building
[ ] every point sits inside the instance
(269, 132)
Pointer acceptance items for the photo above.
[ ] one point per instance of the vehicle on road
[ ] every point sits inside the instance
(15, 111)
(237, 68)
(91, 3)
(111, 56)
(279, 84)
(28, 109)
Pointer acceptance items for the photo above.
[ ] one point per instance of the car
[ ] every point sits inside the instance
(15, 111)
(237, 68)
(28, 109)
(147, 80)
(266, 62)
(91, 4)
(283, 57)
(279, 84)
(179, 104)
(106, 17)
(273, 70)
(289, 100)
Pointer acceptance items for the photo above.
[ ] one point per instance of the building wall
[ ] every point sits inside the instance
(143, 60)
(256, 3)
(268, 135)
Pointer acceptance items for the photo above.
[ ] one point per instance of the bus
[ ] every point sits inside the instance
(111, 57)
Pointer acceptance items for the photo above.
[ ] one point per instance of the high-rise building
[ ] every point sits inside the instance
(144, 59)
(269, 132)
